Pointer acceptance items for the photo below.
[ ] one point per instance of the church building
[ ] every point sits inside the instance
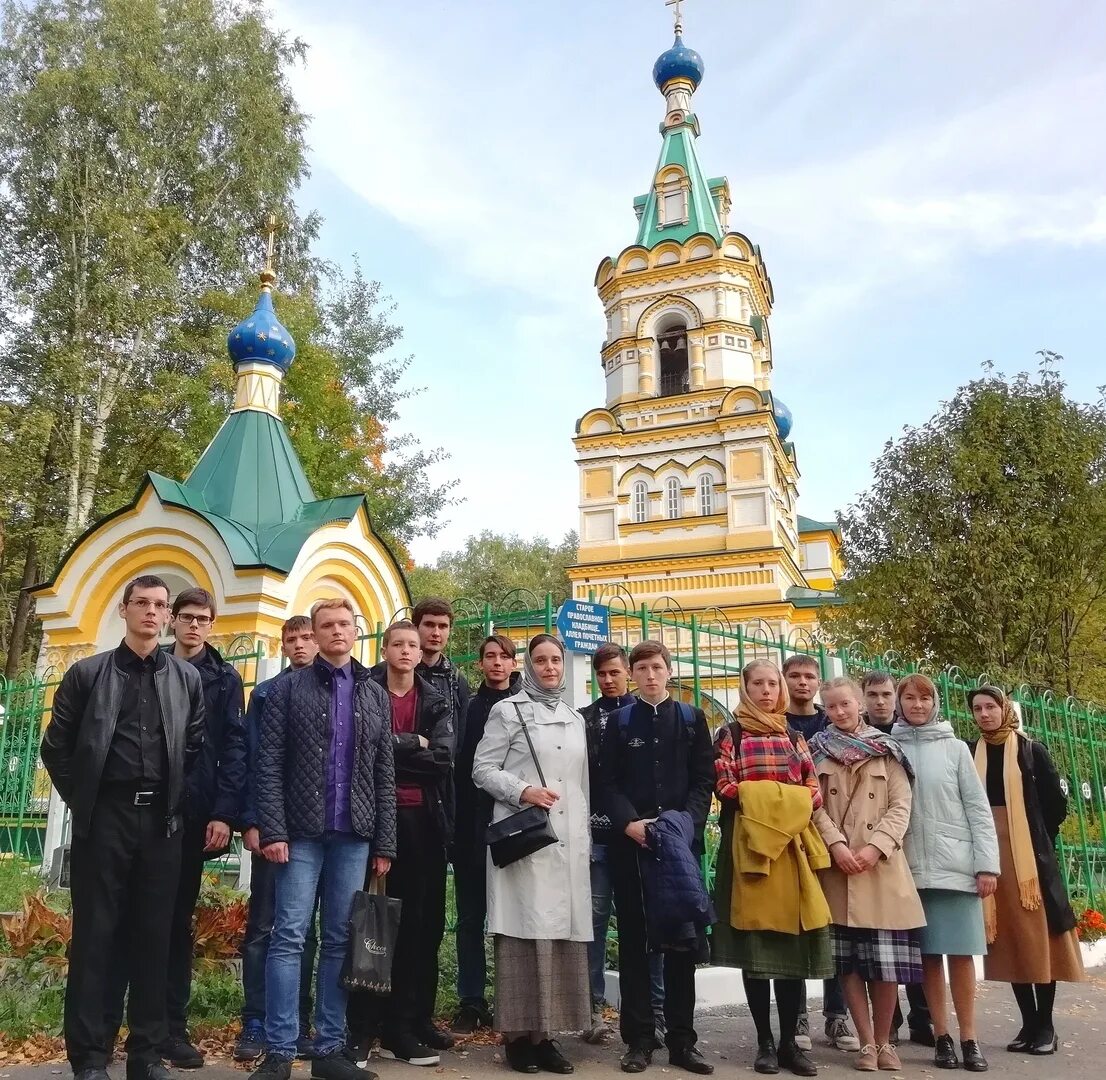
(689, 478)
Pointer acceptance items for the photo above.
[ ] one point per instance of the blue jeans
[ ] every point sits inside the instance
(833, 1000)
(335, 868)
(255, 947)
(602, 903)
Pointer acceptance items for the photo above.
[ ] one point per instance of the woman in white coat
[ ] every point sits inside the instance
(539, 908)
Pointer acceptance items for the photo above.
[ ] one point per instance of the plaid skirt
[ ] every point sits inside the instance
(892, 956)
(541, 985)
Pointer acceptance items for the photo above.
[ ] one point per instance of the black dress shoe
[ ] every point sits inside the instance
(150, 1071)
(180, 1053)
(944, 1056)
(690, 1060)
(795, 1060)
(1022, 1041)
(766, 1060)
(550, 1059)
(974, 1061)
(636, 1060)
(94, 1072)
(520, 1055)
(922, 1036)
(433, 1036)
(1044, 1043)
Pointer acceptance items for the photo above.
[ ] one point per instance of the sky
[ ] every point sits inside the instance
(925, 179)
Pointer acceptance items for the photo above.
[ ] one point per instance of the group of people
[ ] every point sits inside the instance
(861, 844)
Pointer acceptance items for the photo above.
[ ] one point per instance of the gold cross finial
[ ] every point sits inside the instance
(272, 226)
(677, 13)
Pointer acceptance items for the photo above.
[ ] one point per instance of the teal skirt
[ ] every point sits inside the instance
(954, 924)
(762, 954)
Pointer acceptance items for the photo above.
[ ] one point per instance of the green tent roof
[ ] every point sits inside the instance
(702, 215)
(809, 525)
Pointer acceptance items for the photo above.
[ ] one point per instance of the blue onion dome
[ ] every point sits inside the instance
(679, 62)
(783, 416)
(260, 338)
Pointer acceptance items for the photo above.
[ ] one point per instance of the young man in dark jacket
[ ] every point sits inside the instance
(212, 808)
(326, 805)
(433, 618)
(612, 673)
(297, 644)
(653, 759)
(808, 718)
(469, 853)
(422, 744)
(125, 729)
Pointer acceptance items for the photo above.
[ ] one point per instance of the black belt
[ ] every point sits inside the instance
(136, 794)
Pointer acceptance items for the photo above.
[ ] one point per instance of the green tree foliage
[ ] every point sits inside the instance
(982, 539)
(491, 566)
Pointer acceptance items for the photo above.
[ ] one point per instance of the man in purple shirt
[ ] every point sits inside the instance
(325, 797)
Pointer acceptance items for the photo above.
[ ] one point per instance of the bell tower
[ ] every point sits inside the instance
(688, 478)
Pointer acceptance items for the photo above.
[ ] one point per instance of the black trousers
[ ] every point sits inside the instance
(417, 878)
(181, 940)
(636, 1024)
(123, 883)
(470, 892)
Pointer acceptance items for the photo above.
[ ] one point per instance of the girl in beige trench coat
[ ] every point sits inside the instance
(865, 782)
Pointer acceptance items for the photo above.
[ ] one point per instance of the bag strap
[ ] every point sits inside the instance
(530, 743)
(378, 885)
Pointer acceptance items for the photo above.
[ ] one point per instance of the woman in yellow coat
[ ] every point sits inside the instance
(865, 780)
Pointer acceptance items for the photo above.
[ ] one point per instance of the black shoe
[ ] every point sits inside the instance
(1022, 1041)
(690, 1060)
(470, 1017)
(431, 1035)
(180, 1053)
(944, 1054)
(637, 1059)
(922, 1036)
(250, 1045)
(520, 1055)
(305, 1047)
(407, 1048)
(550, 1059)
(273, 1067)
(1044, 1043)
(151, 1070)
(336, 1064)
(974, 1061)
(795, 1060)
(93, 1072)
(767, 1060)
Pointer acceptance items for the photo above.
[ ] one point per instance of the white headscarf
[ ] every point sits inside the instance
(545, 695)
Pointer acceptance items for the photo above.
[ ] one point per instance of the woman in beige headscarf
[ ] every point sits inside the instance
(1030, 925)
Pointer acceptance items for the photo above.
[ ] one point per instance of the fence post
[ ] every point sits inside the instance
(1077, 797)
(488, 624)
(549, 613)
(644, 621)
(697, 689)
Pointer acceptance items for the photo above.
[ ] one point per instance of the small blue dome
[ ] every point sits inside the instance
(260, 338)
(783, 416)
(679, 62)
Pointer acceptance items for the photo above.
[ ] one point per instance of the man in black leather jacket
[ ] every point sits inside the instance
(125, 729)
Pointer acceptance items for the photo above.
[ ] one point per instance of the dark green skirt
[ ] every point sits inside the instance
(762, 954)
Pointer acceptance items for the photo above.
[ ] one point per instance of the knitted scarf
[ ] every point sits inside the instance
(849, 747)
(1021, 841)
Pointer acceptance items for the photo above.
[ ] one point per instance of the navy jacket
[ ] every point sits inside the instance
(216, 785)
(677, 907)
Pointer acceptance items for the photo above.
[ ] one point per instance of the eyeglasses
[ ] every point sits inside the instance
(199, 620)
(148, 605)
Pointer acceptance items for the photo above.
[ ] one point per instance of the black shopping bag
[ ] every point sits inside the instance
(373, 930)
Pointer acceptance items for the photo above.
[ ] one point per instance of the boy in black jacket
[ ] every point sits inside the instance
(656, 756)
(422, 737)
(469, 854)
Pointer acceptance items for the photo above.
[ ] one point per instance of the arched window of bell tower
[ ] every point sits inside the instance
(675, 376)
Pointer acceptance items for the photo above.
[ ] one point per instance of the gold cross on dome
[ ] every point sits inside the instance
(272, 226)
(677, 13)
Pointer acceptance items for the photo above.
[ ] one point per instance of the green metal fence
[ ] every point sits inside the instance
(708, 652)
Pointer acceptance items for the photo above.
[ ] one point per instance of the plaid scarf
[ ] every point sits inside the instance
(850, 747)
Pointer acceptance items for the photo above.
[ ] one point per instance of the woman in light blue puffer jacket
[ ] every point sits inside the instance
(952, 849)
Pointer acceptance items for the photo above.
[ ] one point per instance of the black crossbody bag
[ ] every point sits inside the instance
(529, 830)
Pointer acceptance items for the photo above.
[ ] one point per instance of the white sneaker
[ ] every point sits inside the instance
(802, 1033)
(840, 1035)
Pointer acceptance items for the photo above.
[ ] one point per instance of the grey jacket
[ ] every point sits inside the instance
(293, 751)
(951, 836)
(82, 724)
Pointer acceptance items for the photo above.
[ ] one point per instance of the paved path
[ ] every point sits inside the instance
(727, 1039)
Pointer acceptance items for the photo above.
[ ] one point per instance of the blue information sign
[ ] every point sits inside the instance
(583, 627)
